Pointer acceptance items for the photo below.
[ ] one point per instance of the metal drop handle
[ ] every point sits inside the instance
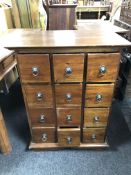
(68, 118)
(35, 71)
(98, 97)
(68, 70)
(69, 140)
(39, 96)
(68, 96)
(42, 118)
(102, 70)
(93, 136)
(96, 119)
(44, 137)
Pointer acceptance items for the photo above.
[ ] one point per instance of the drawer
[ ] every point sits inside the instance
(68, 67)
(93, 135)
(69, 116)
(102, 67)
(69, 137)
(99, 95)
(42, 117)
(95, 117)
(38, 95)
(34, 67)
(43, 135)
(68, 95)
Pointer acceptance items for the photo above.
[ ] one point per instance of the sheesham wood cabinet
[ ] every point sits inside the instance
(68, 85)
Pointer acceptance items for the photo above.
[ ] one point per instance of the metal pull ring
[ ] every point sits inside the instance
(42, 118)
(68, 97)
(44, 137)
(68, 118)
(39, 96)
(96, 119)
(35, 71)
(93, 137)
(68, 71)
(69, 140)
(102, 70)
(98, 97)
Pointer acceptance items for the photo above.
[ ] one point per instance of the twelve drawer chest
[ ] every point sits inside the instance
(68, 79)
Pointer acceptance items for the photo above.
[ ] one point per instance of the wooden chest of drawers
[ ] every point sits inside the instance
(68, 79)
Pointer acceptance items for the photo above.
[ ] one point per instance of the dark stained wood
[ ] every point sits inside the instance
(63, 115)
(73, 61)
(62, 17)
(90, 133)
(100, 113)
(62, 90)
(42, 117)
(64, 134)
(37, 135)
(31, 92)
(40, 61)
(92, 90)
(109, 61)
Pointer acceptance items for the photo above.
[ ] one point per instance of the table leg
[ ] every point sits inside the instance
(4, 140)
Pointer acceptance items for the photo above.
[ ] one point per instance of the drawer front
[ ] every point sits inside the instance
(42, 117)
(39, 95)
(99, 95)
(68, 67)
(69, 137)
(43, 135)
(95, 117)
(6, 63)
(69, 116)
(34, 67)
(102, 67)
(68, 95)
(93, 135)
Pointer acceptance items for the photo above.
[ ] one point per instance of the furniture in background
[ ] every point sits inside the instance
(67, 84)
(8, 75)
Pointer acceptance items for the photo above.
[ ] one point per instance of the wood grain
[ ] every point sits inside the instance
(106, 90)
(64, 133)
(89, 132)
(49, 117)
(109, 61)
(37, 134)
(31, 92)
(28, 61)
(74, 89)
(73, 61)
(63, 113)
(91, 113)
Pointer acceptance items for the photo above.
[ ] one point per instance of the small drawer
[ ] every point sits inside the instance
(102, 67)
(68, 67)
(95, 117)
(69, 137)
(68, 95)
(44, 135)
(68, 116)
(38, 95)
(34, 67)
(42, 117)
(99, 95)
(93, 135)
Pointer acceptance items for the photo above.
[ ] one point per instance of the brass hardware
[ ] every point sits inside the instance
(68, 97)
(44, 137)
(68, 118)
(69, 140)
(68, 70)
(35, 71)
(39, 96)
(42, 118)
(98, 97)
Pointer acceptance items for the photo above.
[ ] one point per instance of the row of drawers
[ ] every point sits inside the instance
(68, 136)
(68, 117)
(68, 67)
(67, 95)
